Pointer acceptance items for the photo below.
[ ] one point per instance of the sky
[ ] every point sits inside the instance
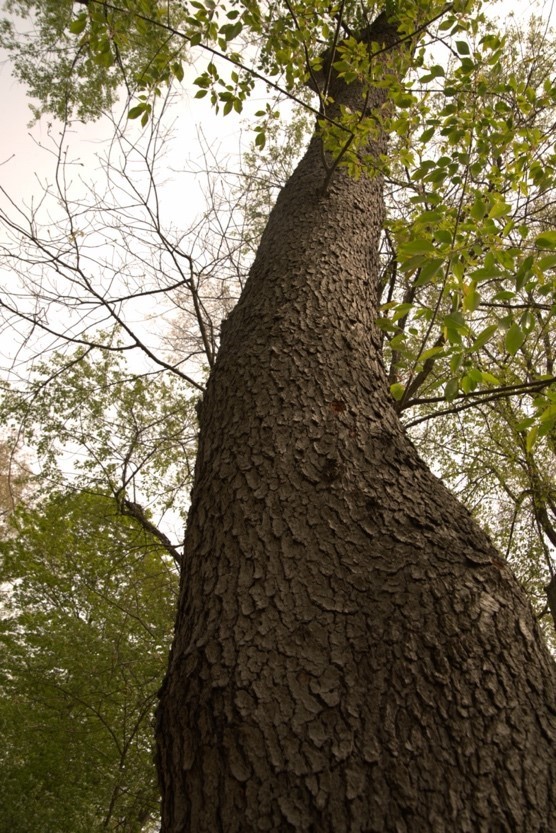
(28, 161)
(25, 147)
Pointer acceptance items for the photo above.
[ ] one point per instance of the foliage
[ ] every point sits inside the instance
(88, 609)
(129, 434)
(74, 57)
(474, 265)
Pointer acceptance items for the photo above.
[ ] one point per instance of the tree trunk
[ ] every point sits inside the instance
(350, 653)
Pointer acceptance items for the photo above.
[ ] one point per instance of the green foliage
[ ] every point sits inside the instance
(470, 225)
(128, 434)
(75, 60)
(88, 610)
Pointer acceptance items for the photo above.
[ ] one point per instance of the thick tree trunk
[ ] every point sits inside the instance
(350, 652)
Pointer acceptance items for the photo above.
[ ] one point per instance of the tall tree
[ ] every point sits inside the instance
(351, 653)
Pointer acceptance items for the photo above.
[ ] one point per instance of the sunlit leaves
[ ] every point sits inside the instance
(143, 110)
(483, 337)
(546, 240)
(79, 24)
(472, 245)
(77, 60)
(224, 96)
(514, 339)
(397, 390)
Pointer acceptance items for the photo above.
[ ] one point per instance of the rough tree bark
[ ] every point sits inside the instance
(350, 652)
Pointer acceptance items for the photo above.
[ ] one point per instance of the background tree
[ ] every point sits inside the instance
(88, 604)
(93, 424)
(14, 481)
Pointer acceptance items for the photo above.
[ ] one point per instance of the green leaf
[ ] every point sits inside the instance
(178, 71)
(417, 246)
(475, 374)
(499, 209)
(432, 352)
(471, 297)
(398, 342)
(462, 47)
(514, 339)
(458, 268)
(546, 240)
(504, 295)
(468, 383)
(478, 209)
(105, 58)
(549, 414)
(531, 437)
(428, 270)
(427, 135)
(490, 378)
(437, 71)
(78, 25)
(397, 390)
(525, 423)
(548, 262)
(451, 388)
(137, 111)
(401, 311)
(443, 236)
(447, 23)
(483, 337)
(231, 30)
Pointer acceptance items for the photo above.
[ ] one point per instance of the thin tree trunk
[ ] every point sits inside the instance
(350, 653)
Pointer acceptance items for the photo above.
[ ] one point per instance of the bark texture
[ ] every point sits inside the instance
(350, 652)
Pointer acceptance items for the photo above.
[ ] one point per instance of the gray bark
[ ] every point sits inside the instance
(351, 654)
